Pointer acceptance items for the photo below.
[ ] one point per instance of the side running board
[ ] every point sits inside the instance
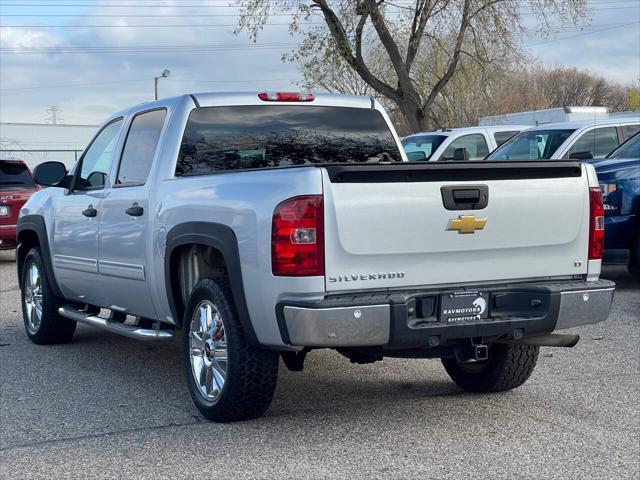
(127, 330)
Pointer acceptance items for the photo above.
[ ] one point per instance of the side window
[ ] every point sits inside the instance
(630, 130)
(598, 141)
(140, 147)
(97, 159)
(475, 145)
(502, 137)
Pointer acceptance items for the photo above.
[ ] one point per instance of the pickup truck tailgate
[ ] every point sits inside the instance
(387, 226)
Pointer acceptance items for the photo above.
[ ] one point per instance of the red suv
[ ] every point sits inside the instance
(16, 186)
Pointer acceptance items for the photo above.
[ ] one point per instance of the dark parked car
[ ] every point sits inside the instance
(16, 186)
(619, 179)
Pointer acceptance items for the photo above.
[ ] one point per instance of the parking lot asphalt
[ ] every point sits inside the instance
(108, 407)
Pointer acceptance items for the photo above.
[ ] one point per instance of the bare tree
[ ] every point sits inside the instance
(409, 34)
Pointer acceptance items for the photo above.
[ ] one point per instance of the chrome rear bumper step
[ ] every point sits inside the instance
(131, 331)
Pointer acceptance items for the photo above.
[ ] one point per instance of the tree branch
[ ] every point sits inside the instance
(344, 48)
(391, 47)
(455, 57)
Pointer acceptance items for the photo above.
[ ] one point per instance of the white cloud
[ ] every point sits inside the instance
(613, 54)
(247, 69)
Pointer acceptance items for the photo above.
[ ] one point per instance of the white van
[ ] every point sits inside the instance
(471, 143)
(568, 140)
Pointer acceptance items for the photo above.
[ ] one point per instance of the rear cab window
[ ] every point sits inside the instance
(15, 175)
(229, 138)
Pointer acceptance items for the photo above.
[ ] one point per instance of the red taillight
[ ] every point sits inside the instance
(596, 224)
(286, 97)
(297, 237)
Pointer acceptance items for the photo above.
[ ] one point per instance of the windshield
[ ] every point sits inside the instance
(14, 175)
(532, 145)
(271, 136)
(629, 149)
(421, 147)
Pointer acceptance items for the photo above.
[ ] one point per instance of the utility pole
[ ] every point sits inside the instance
(165, 73)
(54, 113)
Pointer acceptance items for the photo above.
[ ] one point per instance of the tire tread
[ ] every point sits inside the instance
(252, 372)
(53, 327)
(510, 367)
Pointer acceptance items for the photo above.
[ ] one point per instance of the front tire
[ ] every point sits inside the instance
(228, 380)
(508, 367)
(40, 306)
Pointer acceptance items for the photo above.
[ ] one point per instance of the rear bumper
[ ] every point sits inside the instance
(7, 236)
(395, 321)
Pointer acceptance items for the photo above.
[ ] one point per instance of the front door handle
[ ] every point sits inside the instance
(90, 212)
(135, 210)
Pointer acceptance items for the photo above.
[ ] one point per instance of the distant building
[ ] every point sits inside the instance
(37, 142)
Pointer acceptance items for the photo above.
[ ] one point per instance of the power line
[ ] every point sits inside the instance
(580, 34)
(190, 25)
(225, 47)
(182, 80)
(180, 15)
(165, 25)
(147, 48)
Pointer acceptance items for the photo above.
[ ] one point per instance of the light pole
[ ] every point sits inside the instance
(165, 73)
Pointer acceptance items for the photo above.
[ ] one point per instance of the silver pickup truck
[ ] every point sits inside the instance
(265, 225)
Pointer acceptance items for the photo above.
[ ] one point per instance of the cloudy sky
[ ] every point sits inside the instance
(91, 58)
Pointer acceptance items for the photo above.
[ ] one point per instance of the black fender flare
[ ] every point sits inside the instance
(222, 238)
(36, 224)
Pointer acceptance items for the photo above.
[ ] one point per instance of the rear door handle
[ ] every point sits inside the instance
(135, 210)
(90, 212)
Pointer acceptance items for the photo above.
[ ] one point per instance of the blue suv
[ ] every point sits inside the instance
(619, 178)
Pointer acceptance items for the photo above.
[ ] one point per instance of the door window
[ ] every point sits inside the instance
(630, 130)
(502, 137)
(475, 145)
(421, 147)
(599, 141)
(140, 147)
(97, 159)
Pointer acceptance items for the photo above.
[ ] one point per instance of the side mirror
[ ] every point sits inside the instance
(460, 155)
(97, 179)
(51, 174)
(587, 155)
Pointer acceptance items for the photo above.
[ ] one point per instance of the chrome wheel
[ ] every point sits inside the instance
(208, 350)
(33, 298)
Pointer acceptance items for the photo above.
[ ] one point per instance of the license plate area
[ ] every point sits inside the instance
(464, 307)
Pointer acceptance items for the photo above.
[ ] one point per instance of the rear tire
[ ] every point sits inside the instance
(507, 367)
(228, 380)
(40, 306)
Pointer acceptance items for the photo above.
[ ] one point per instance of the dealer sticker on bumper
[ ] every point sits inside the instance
(464, 307)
